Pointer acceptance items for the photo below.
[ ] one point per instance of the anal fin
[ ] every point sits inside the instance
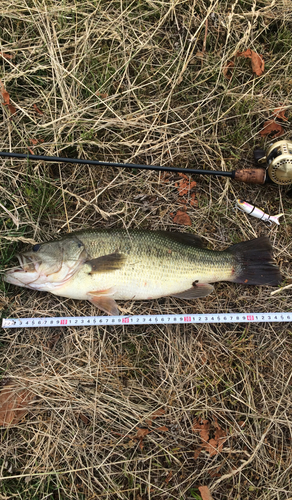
(196, 291)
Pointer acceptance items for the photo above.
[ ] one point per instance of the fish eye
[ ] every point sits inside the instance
(80, 245)
(35, 248)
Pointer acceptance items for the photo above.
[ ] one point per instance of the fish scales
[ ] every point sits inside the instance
(167, 265)
(105, 265)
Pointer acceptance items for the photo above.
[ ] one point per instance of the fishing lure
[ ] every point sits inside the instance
(257, 212)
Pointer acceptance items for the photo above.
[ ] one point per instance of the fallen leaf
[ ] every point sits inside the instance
(200, 54)
(194, 202)
(205, 493)
(34, 142)
(6, 99)
(142, 432)
(184, 185)
(14, 402)
(130, 444)
(162, 428)
(197, 453)
(203, 427)
(168, 477)
(257, 61)
(84, 418)
(157, 413)
(164, 177)
(271, 127)
(37, 110)
(99, 94)
(212, 446)
(227, 70)
(6, 56)
(4, 94)
(280, 113)
(181, 217)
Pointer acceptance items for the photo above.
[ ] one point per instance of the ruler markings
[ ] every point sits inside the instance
(161, 319)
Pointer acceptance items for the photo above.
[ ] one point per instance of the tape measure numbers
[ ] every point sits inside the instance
(161, 319)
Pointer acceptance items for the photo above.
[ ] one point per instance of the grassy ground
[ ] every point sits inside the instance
(155, 412)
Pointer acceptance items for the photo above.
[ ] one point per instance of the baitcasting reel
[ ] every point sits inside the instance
(278, 161)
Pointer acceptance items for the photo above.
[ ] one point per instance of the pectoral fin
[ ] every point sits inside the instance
(104, 302)
(106, 263)
(196, 291)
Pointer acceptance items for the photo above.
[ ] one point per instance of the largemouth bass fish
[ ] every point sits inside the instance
(103, 266)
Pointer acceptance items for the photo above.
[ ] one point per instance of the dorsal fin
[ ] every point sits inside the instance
(184, 238)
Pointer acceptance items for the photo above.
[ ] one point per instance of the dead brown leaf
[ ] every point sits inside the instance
(142, 432)
(194, 202)
(272, 127)
(37, 110)
(203, 428)
(163, 428)
(184, 185)
(212, 446)
(157, 413)
(205, 493)
(181, 217)
(280, 114)
(197, 453)
(257, 61)
(14, 402)
(6, 99)
(227, 70)
(102, 95)
(168, 477)
(6, 56)
(34, 142)
(84, 418)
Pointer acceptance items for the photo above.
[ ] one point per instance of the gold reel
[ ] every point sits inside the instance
(279, 160)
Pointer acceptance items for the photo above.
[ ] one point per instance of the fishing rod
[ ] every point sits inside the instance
(277, 159)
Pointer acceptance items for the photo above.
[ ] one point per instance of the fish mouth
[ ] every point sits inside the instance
(27, 264)
(25, 274)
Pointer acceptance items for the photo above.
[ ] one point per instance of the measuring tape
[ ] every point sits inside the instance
(160, 319)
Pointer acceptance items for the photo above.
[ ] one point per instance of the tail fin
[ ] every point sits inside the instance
(275, 218)
(254, 263)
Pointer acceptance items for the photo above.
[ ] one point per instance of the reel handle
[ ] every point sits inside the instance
(250, 175)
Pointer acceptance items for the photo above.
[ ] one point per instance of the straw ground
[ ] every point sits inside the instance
(144, 412)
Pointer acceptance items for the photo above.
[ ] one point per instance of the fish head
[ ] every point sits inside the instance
(48, 265)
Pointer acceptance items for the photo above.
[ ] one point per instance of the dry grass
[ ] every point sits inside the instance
(142, 82)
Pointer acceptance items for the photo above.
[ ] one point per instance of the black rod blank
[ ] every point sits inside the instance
(119, 165)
